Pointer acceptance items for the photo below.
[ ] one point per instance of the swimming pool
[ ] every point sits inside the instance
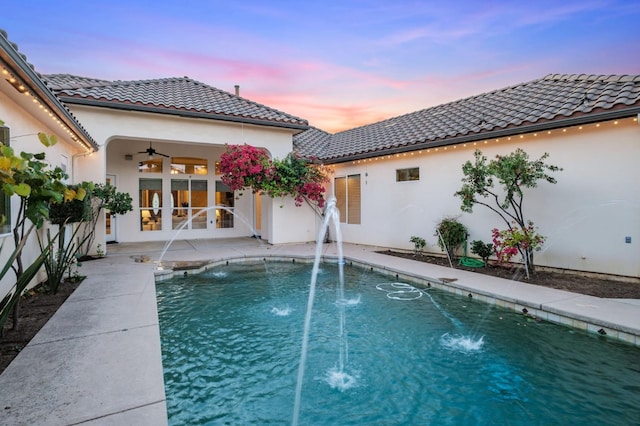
(231, 346)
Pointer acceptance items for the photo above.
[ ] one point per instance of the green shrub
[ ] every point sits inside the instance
(484, 250)
(418, 245)
(451, 235)
(70, 211)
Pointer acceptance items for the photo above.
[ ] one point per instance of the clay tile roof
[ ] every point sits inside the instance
(180, 96)
(312, 142)
(553, 101)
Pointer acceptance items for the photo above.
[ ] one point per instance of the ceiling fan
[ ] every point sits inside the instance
(151, 152)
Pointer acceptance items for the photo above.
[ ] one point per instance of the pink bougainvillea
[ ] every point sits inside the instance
(245, 166)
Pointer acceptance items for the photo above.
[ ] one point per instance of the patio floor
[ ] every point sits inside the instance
(98, 360)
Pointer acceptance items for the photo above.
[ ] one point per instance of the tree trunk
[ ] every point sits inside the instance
(530, 260)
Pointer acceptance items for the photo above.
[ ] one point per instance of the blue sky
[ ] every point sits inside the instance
(338, 64)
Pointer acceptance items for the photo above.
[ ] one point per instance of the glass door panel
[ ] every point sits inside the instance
(150, 204)
(189, 199)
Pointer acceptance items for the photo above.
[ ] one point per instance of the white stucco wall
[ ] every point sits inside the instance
(293, 224)
(585, 216)
(24, 125)
(122, 133)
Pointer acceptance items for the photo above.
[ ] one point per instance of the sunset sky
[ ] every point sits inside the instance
(338, 64)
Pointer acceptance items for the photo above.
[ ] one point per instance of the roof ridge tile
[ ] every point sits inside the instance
(170, 94)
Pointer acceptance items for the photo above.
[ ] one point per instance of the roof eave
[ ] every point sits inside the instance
(607, 115)
(22, 70)
(181, 113)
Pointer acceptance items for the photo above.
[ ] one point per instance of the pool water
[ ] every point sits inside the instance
(231, 340)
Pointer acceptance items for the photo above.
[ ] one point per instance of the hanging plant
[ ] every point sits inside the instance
(245, 166)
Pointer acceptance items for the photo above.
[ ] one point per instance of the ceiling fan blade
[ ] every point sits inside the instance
(151, 152)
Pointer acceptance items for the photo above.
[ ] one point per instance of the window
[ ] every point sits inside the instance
(188, 203)
(188, 165)
(199, 204)
(5, 200)
(224, 198)
(347, 192)
(153, 165)
(150, 204)
(404, 175)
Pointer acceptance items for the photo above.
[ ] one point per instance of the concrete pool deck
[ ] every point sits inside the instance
(98, 360)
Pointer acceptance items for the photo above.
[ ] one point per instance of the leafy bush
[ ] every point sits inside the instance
(509, 242)
(484, 250)
(76, 206)
(101, 197)
(513, 173)
(418, 245)
(29, 177)
(451, 235)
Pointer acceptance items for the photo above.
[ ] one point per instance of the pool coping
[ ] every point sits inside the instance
(556, 306)
(98, 360)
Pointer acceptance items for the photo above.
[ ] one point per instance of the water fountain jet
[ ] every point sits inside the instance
(186, 222)
(336, 377)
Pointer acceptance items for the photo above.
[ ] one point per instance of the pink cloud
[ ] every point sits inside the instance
(356, 87)
(326, 114)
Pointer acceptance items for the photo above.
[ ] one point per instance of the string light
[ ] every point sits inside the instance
(465, 145)
(22, 88)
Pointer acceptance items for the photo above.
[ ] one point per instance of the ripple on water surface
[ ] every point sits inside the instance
(231, 345)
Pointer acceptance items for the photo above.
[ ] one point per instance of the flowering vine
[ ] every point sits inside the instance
(245, 166)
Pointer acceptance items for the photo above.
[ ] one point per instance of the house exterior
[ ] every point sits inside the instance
(27, 107)
(404, 171)
(187, 124)
(159, 140)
